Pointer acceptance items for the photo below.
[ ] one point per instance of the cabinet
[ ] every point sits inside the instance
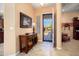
(1, 30)
(65, 38)
(27, 42)
(66, 32)
(76, 28)
(1, 37)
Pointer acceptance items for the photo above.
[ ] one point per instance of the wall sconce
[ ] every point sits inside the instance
(33, 27)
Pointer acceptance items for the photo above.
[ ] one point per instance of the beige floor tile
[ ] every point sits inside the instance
(70, 48)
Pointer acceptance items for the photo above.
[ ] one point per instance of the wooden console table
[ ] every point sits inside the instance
(27, 42)
(65, 38)
(1, 37)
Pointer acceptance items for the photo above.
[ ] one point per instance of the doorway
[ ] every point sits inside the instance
(48, 28)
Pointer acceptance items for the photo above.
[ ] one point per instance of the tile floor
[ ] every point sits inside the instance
(1, 50)
(70, 48)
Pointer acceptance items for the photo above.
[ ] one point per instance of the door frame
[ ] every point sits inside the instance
(52, 27)
(43, 24)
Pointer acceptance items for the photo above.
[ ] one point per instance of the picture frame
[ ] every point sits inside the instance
(25, 21)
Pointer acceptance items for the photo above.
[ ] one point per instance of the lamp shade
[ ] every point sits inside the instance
(33, 24)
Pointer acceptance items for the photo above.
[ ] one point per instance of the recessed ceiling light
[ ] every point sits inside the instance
(1, 11)
(63, 10)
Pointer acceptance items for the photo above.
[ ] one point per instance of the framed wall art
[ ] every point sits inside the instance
(25, 21)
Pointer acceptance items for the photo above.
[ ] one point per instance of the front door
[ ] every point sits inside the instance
(47, 27)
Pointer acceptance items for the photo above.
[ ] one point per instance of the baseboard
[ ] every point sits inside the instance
(15, 53)
(59, 48)
(39, 40)
(12, 54)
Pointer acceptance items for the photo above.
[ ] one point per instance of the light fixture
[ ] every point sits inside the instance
(33, 24)
(41, 4)
(63, 10)
(1, 11)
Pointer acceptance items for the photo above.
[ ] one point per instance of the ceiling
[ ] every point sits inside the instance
(37, 5)
(66, 7)
(70, 7)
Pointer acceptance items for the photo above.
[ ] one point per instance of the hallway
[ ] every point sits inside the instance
(45, 49)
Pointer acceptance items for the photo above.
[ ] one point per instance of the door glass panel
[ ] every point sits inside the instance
(47, 21)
